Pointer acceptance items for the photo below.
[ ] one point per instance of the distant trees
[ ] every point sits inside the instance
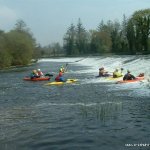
(81, 38)
(76, 39)
(101, 39)
(129, 37)
(70, 41)
(51, 50)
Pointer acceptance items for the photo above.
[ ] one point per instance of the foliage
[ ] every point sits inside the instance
(69, 41)
(5, 57)
(129, 37)
(76, 40)
(139, 31)
(16, 46)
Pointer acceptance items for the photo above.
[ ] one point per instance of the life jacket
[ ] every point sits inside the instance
(117, 74)
(58, 77)
(128, 77)
(40, 73)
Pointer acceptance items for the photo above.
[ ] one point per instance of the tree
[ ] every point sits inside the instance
(21, 26)
(141, 29)
(124, 41)
(131, 36)
(81, 38)
(116, 37)
(101, 38)
(20, 44)
(69, 41)
(20, 47)
(5, 57)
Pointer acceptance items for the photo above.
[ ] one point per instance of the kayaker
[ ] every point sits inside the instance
(117, 73)
(103, 72)
(60, 77)
(40, 73)
(62, 69)
(34, 74)
(128, 76)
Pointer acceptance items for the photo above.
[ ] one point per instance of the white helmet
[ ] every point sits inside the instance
(39, 70)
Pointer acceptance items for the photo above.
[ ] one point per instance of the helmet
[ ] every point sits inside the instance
(128, 71)
(38, 69)
(101, 68)
(117, 69)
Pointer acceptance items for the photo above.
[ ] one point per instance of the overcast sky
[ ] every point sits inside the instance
(49, 19)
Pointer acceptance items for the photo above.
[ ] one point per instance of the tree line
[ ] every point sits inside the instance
(131, 36)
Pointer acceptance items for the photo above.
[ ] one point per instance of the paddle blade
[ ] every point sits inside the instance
(49, 75)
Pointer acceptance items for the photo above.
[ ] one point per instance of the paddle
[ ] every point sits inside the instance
(49, 75)
(66, 68)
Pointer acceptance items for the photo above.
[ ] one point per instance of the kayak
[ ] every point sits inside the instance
(131, 81)
(114, 79)
(60, 83)
(36, 79)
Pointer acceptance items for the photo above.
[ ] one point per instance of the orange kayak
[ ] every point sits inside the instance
(131, 81)
(37, 79)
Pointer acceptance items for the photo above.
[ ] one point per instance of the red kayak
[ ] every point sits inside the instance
(131, 81)
(37, 79)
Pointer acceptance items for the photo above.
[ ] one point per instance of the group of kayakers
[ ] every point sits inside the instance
(118, 73)
(102, 73)
(39, 74)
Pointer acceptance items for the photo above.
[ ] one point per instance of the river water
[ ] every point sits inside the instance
(91, 114)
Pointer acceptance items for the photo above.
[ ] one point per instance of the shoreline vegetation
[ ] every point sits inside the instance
(18, 66)
(130, 37)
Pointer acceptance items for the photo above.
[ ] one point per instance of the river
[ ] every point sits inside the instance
(91, 114)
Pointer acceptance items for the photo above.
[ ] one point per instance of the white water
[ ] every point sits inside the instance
(77, 104)
(136, 64)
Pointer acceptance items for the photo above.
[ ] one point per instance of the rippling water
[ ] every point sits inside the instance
(92, 114)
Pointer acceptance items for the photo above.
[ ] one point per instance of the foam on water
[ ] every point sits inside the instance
(136, 64)
(77, 104)
(67, 60)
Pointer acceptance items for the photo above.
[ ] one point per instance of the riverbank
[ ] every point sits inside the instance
(33, 61)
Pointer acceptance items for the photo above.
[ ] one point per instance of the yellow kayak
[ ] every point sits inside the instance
(59, 83)
(114, 79)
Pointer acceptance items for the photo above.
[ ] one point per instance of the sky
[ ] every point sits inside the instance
(49, 20)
